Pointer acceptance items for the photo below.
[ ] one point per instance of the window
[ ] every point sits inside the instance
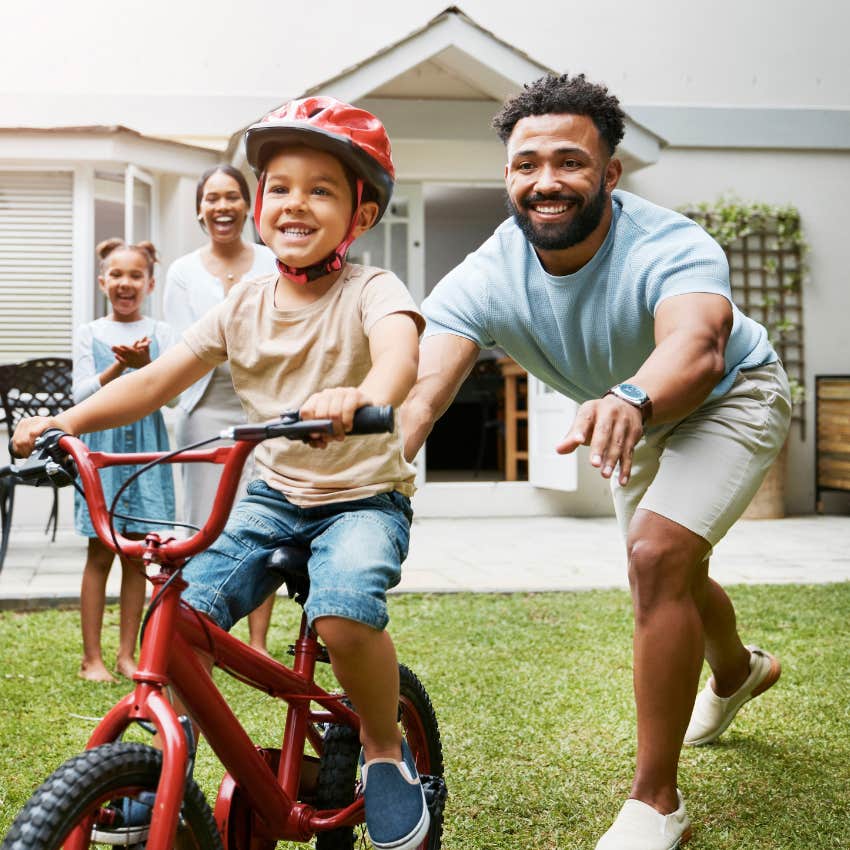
(36, 264)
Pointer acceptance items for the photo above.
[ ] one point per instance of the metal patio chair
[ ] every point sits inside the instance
(39, 387)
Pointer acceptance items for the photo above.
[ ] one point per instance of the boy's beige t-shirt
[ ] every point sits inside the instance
(278, 358)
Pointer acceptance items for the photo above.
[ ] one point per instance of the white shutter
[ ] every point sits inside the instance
(36, 224)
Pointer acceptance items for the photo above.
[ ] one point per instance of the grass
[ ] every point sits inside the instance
(533, 693)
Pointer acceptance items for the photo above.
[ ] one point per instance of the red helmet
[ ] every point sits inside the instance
(353, 135)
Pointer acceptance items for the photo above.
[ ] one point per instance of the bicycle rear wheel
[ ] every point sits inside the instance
(337, 783)
(88, 790)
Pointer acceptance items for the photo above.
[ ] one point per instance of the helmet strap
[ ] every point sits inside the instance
(333, 262)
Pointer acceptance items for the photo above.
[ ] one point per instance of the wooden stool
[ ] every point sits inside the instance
(516, 390)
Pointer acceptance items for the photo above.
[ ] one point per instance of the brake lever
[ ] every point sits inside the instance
(48, 462)
(33, 469)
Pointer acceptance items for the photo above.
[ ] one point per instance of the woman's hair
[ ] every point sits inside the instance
(230, 171)
(108, 246)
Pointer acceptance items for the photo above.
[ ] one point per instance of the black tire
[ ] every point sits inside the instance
(336, 786)
(83, 785)
(337, 783)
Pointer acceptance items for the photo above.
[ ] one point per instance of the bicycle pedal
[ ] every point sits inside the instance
(322, 656)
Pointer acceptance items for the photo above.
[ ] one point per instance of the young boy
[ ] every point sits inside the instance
(328, 337)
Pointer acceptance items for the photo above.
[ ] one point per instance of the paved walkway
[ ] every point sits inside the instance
(496, 555)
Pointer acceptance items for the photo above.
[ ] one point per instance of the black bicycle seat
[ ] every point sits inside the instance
(290, 563)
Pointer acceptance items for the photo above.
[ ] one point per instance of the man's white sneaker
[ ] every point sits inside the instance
(640, 827)
(712, 714)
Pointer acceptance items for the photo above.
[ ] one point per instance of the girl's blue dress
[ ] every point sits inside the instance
(151, 495)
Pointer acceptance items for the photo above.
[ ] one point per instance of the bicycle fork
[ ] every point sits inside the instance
(149, 703)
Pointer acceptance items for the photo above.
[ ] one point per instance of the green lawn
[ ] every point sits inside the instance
(533, 693)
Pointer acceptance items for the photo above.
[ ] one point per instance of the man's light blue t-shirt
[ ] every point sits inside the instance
(582, 333)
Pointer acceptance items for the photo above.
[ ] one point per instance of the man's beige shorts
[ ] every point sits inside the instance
(702, 471)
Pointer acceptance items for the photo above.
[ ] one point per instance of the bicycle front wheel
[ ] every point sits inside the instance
(99, 790)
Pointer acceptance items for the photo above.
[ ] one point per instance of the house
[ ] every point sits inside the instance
(436, 89)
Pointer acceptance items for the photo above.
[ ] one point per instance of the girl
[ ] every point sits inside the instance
(104, 349)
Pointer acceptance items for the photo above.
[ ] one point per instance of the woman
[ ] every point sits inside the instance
(194, 284)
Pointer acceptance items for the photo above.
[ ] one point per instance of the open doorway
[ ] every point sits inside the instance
(468, 442)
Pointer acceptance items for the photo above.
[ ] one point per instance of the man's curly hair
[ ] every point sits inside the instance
(564, 95)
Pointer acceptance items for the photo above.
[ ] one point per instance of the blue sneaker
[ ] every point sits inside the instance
(131, 820)
(396, 814)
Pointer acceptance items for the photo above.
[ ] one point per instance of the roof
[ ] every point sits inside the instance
(450, 58)
(101, 130)
(103, 143)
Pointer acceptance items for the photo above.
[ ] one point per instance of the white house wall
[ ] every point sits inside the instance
(201, 76)
(815, 182)
(449, 161)
(195, 72)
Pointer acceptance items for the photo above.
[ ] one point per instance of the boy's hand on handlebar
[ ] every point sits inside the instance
(28, 430)
(337, 404)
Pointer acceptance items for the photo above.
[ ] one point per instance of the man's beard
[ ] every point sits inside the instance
(558, 236)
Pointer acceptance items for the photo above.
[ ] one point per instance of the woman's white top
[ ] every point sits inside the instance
(190, 291)
(86, 376)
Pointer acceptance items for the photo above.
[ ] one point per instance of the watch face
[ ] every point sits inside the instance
(633, 393)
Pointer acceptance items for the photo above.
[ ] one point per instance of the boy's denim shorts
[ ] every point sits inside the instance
(357, 548)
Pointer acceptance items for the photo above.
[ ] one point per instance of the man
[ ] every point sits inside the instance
(626, 308)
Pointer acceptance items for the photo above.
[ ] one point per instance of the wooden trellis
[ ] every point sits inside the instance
(765, 254)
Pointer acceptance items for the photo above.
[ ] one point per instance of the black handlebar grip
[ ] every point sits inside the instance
(374, 419)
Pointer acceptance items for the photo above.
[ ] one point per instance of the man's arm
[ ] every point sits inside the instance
(444, 362)
(691, 332)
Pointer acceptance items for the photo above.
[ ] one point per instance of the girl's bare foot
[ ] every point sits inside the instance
(126, 667)
(95, 671)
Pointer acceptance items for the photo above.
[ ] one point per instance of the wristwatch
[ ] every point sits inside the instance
(634, 395)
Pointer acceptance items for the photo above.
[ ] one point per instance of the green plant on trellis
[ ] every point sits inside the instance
(766, 250)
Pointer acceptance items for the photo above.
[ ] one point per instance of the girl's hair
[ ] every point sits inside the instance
(230, 171)
(108, 246)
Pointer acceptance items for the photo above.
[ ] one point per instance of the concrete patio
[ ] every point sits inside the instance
(479, 555)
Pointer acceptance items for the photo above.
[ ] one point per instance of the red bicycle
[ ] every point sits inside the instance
(289, 793)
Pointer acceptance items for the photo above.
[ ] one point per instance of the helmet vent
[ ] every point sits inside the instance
(316, 112)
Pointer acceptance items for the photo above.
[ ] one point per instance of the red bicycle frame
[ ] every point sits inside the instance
(174, 635)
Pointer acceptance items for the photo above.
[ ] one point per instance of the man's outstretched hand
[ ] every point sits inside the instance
(612, 428)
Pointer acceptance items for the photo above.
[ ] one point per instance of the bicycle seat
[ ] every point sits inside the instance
(290, 562)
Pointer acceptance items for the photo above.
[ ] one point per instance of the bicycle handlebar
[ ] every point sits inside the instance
(47, 464)
(371, 419)
(57, 453)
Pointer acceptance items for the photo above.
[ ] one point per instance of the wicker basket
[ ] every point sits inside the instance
(769, 500)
